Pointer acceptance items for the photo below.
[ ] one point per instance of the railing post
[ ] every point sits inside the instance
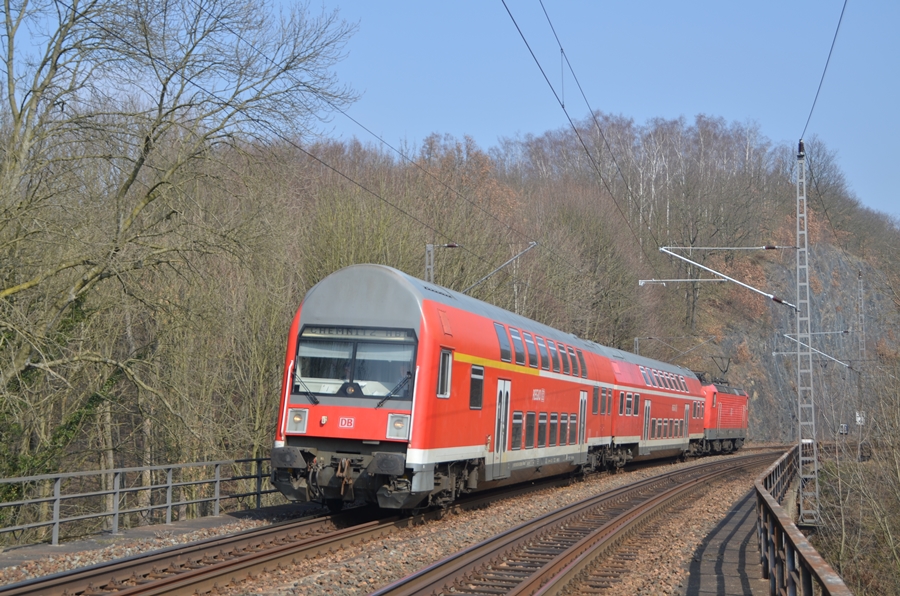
(790, 564)
(770, 541)
(216, 502)
(115, 524)
(258, 482)
(168, 495)
(56, 491)
(806, 581)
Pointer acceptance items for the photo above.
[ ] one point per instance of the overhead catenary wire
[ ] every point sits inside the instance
(824, 70)
(549, 249)
(580, 138)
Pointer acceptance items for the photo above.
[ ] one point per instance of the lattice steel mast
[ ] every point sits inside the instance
(806, 411)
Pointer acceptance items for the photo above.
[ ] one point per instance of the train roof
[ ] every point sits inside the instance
(729, 389)
(397, 300)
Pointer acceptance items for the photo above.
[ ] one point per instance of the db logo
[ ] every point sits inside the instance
(345, 423)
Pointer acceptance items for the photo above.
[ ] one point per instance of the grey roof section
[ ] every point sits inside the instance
(357, 294)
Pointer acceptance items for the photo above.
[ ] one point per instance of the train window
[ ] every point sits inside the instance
(542, 348)
(563, 358)
(714, 399)
(595, 402)
(683, 384)
(503, 339)
(583, 364)
(516, 431)
(653, 428)
(621, 403)
(628, 399)
(553, 355)
(445, 367)
(659, 426)
(518, 346)
(603, 401)
(637, 404)
(667, 379)
(574, 361)
(646, 376)
(563, 426)
(554, 420)
(529, 430)
(532, 352)
(476, 387)
(542, 429)
(655, 376)
(573, 429)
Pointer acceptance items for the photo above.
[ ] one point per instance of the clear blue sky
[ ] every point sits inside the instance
(460, 67)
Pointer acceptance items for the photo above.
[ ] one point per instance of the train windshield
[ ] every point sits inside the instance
(374, 363)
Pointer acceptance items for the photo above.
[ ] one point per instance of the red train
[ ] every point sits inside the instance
(407, 394)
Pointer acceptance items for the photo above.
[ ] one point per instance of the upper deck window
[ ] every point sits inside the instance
(503, 339)
(564, 358)
(583, 364)
(646, 376)
(545, 356)
(553, 355)
(532, 352)
(518, 346)
(574, 361)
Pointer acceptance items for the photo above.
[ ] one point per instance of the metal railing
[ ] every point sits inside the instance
(95, 501)
(789, 561)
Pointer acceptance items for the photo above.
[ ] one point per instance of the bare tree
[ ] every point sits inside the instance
(112, 110)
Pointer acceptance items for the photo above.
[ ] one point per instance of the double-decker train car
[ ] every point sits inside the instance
(406, 394)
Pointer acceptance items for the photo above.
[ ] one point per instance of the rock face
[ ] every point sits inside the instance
(760, 354)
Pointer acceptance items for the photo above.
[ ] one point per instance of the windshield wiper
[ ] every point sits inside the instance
(309, 394)
(397, 387)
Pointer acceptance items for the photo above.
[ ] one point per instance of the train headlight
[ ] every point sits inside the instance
(398, 426)
(296, 421)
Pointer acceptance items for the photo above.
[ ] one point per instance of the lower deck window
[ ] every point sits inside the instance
(563, 428)
(529, 430)
(444, 369)
(573, 429)
(516, 439)
(476, 387)
(554, 420)
(542, 429)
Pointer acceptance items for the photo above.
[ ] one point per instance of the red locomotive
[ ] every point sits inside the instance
(407, 394)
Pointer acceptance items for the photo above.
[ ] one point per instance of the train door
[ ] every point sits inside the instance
(582, 416)
(687, 421)
(646, 433)
(499, 467)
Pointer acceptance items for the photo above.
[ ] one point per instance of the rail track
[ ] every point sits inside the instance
(559, 551)
(203, 566)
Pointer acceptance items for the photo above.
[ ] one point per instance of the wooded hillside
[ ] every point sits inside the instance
(164, 207)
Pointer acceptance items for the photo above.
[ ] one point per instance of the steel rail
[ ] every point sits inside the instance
(493, 557)
(568, 568)
(202, 565)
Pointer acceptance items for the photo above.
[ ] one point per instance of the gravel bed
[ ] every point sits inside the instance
(376, 564)
(371, 566)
